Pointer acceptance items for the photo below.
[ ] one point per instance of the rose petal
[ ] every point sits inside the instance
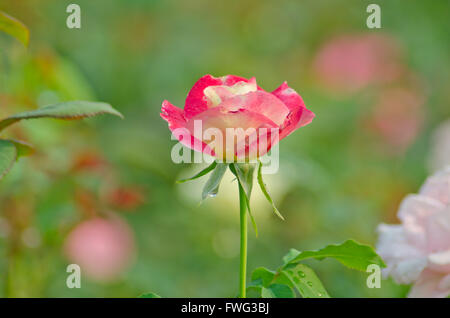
(438, 186)
(289, 97)
(404, 261)
(259, 146)
(230, 80)
(259, 102)
(438, 236)
(295, 120)
(177, 124)
(431, 285)
(173, 115)
(299, 115)
(216, 94)
(218, 119)
(195, 100)
(440, 262)
(414, 212)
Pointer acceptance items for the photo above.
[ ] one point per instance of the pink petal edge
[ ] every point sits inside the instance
(177, 125)
(299, 116)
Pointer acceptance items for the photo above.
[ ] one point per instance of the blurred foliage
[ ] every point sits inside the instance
(338, 177)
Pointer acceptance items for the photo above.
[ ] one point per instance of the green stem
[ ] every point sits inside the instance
(243, 258)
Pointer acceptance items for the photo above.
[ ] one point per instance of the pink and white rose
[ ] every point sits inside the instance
(418, 250)
(235, 102)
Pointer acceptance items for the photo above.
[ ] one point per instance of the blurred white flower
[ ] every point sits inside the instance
(418, 250)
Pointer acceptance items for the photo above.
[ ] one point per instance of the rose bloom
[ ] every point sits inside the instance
(237, 103)
(348, 63)
(103, 248)
(418, 250)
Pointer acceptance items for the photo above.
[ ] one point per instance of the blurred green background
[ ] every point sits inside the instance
(371, 143)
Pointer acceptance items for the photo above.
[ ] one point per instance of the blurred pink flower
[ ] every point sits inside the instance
(103, 248)
(235, 102)
(418, 250)
(398, 116)
(350, 62)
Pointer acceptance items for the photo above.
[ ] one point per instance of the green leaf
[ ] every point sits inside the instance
(254, 291)
(23, 148)
(149, 295)
(244, 174)
(350, 253)
(266, 193)
(211, 187)
(277, 291)
(305, 281)
(14, 27)
(293, 253)
(67, 110)
(201, 173)
(8, 156)
(262, 276)
(282, 279)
